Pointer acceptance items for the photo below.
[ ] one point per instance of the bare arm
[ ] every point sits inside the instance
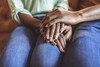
(19, 13)
(29, 20)
(74, 17)
(90, 13)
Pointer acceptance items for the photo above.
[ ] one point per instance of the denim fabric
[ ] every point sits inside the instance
(18, 50)
(46, 55)
(84, 50)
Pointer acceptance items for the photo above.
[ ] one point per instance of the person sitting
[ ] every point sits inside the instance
(20, 50)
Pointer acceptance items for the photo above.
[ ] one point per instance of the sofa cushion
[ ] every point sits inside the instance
(6, 23)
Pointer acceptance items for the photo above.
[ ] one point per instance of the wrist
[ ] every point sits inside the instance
(79, 17)
(38, 25)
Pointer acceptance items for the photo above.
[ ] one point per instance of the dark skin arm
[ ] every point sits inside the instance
(30, 20)
(74, 17)
(90, 13)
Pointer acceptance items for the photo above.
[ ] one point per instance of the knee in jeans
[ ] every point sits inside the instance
(81, 34)
(20, 32)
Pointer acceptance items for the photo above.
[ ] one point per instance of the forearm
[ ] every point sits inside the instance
(90, 13)
(29, 20)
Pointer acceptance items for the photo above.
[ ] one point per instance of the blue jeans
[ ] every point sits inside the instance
(21, 51)
(84, 49)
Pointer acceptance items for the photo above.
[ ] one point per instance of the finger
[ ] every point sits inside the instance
(62, 42)
(42, 30)
(68, 33)
(47, 34)
(59, 46)
(45, 21)
(42, 33)
(57, 31)
(52, 30)
(65, 28)
(51, 16)
(54, 14)
(61, 27)
(48, 20)
(51, 13)
(53, 22)
(54, 43)
(63, 38)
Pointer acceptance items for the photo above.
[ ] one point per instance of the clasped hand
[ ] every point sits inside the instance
(58, 34)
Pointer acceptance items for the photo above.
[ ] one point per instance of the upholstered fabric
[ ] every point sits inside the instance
(6, 23)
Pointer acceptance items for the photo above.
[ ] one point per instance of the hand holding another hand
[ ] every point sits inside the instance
(67, 17)
(58, 34)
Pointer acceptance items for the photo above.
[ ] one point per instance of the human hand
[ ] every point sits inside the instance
(63, 38)
(52, 33)
(67, 17)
